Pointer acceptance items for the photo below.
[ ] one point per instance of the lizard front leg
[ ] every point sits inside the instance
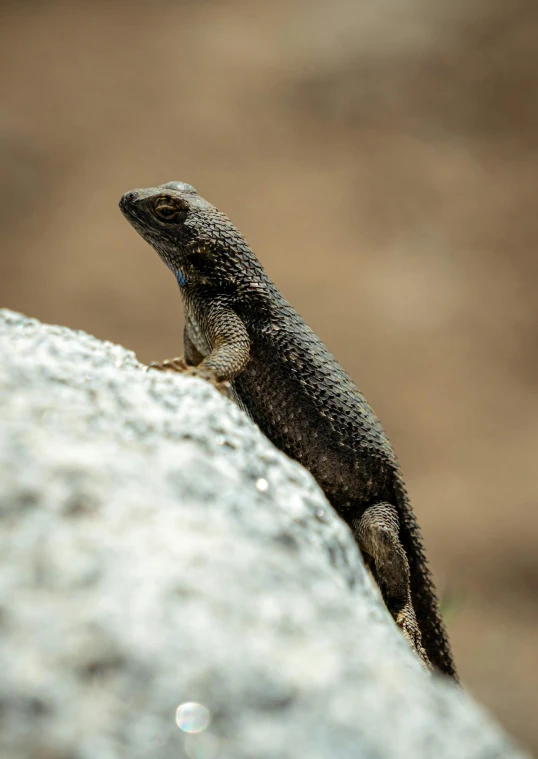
(229, 354)
(377, 533)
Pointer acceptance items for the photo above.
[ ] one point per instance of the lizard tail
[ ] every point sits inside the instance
(423, 594)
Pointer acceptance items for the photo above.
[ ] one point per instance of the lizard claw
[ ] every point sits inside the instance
(178, 364)
(169, 364)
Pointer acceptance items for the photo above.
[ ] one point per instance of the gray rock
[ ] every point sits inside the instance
(156, 550)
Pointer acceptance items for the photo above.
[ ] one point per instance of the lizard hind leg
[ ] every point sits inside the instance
(377, 533)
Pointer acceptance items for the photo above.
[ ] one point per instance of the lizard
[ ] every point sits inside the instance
(243, 336)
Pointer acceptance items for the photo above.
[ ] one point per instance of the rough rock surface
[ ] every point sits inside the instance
(157, 550)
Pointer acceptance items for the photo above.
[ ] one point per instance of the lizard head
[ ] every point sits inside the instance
(195, 240)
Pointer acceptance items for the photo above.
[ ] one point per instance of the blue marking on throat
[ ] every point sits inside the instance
(180, 279)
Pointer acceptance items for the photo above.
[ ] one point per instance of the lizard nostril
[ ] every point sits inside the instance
(129, 197)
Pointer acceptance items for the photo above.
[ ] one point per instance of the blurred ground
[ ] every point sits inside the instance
(382, 159)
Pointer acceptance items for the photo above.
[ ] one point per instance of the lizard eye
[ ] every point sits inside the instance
(167, 210)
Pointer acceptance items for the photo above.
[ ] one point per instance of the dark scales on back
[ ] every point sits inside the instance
(242, 335)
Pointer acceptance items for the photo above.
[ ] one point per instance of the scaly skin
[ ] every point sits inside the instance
(242, 335)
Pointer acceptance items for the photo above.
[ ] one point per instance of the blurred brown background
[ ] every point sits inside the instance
(382, 159)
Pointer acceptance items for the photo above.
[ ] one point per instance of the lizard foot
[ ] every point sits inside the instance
(407, 623)
(178, 364)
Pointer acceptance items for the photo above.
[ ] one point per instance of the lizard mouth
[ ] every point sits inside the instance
(138, 217)
(131, 210)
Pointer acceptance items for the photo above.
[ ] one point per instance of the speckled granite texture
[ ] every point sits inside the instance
(157, 550)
